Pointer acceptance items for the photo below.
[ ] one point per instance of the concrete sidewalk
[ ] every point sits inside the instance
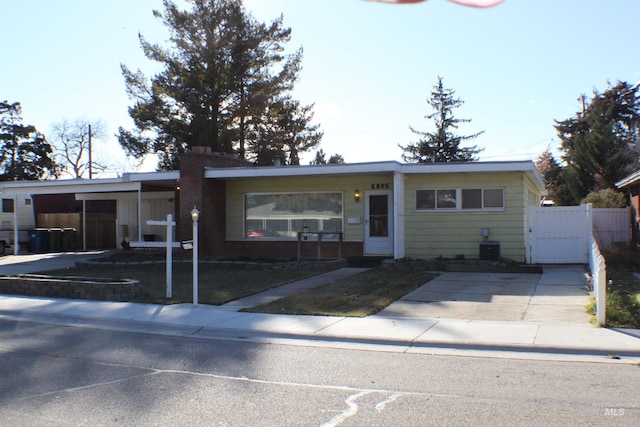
(557, 341)
(397, 328)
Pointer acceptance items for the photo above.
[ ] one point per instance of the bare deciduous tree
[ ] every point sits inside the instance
(70, 140)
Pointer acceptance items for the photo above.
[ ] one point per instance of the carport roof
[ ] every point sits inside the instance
(128, 182)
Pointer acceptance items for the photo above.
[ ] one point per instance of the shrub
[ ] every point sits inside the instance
(607, 198)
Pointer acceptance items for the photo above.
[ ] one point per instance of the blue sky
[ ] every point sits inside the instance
(368, 67)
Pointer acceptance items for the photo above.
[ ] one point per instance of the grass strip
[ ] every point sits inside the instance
(357, 296)
(623, 288)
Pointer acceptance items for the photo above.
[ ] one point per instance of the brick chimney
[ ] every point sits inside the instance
(208, 195)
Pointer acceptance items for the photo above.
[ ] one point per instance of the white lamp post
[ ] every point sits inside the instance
(195, 213)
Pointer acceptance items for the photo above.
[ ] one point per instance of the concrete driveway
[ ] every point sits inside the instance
(559, 294)
(33, 263)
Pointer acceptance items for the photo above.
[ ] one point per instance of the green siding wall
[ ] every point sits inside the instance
(454, 233)
(427, 234)
(236, 189)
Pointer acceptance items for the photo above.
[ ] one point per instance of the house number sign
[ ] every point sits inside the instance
(380, 186)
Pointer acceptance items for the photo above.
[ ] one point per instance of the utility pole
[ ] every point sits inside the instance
(90, 162)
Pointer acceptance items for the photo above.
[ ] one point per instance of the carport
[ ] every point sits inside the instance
(131, 192)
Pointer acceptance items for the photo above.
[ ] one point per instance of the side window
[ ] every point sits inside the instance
(425, 199)
(446, 199)
(472, 199)
(7, 205)
(460, 199)
(494, 198)
(436, 199)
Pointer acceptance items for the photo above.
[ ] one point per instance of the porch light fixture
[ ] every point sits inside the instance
(195, 214)
(356, 196)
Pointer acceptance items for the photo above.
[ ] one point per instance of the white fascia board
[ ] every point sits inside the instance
(311, 170)
(629, 180)
(68, 186)
(151, 195)
(526, 166)
(377, 167)
(151, 176)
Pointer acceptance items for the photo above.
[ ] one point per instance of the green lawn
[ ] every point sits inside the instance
(215, 286)
(358, 296)
(623, 288)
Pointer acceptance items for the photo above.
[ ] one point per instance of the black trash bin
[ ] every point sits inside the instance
(39, 240)
(55, 239)
(68, 239)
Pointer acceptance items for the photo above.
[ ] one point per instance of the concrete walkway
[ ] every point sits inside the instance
(529, 336)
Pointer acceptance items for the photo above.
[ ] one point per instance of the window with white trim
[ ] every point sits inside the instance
(283, 215)
(459, 199)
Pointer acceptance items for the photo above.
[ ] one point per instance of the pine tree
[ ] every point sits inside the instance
(222, 74)
(597, 143)
(443, 144)
(25, 153)
(284, 132)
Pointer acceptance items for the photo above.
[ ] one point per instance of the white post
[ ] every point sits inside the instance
(16, 230)
(84, 225)
(169, 256)
(601, 291)
(169, 245)
(194, 216)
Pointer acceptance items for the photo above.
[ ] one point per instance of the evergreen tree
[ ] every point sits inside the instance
(321, 159)
(283, 133)
(550, 170)
(547, 165)
(597, 143)
(222, 75)
(24, 152)
(443, 144)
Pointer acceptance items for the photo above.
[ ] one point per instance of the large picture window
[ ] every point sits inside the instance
(283, 215)
(460, 199)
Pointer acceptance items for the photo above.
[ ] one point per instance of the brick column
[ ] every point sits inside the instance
(208, 195)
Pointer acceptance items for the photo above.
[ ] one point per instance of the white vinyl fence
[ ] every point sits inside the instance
(560, 235)
(598, 269)
(611, 226)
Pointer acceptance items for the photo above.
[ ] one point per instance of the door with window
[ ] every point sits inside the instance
(378, 233)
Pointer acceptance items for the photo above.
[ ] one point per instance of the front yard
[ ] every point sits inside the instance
(359, 296)
(623, 288)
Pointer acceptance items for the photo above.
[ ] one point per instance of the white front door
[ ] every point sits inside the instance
(378, 233)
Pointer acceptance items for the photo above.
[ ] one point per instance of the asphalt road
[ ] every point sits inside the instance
(54, 375)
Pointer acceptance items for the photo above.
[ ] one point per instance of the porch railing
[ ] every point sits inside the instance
(302, 236)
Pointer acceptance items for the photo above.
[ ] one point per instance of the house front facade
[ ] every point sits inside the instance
(384, 209)
(381, 209)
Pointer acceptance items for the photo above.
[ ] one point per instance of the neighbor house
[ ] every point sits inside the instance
(384, 209)
(632, 184)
